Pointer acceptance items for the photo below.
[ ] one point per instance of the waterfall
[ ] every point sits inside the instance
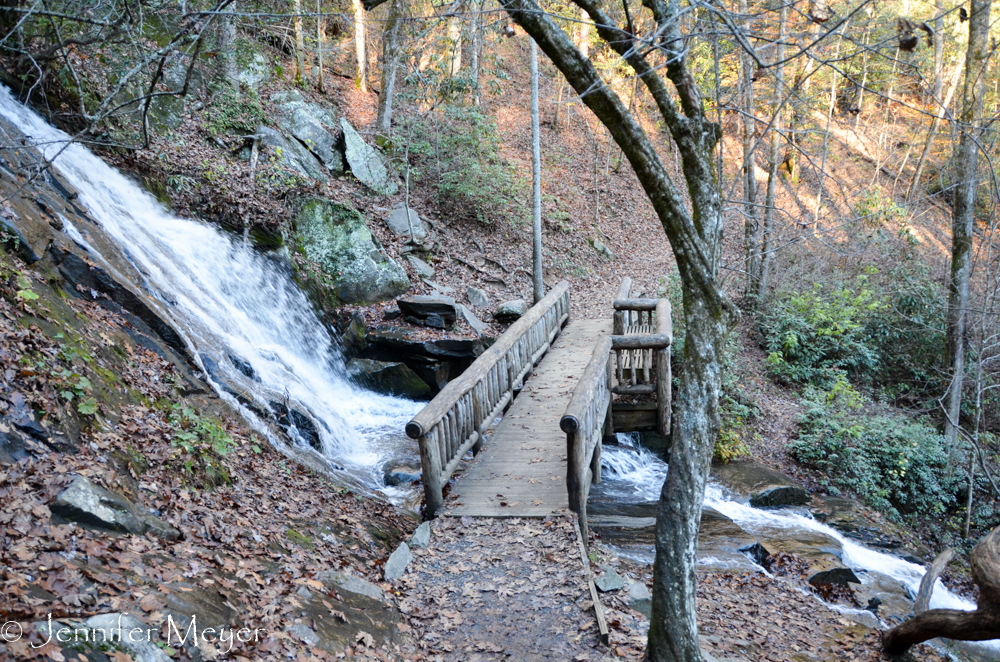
(631, 472)
(229, 302)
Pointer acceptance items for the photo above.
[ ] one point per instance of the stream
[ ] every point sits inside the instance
(241, 310)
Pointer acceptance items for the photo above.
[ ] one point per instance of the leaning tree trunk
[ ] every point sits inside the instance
(963, 217)
(695, 238)
(980, 625)
(391, 53)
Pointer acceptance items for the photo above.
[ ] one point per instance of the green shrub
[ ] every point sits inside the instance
(814, 335)
(893, 464)
(460, 154)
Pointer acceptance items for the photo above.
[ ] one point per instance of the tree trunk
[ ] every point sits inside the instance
(361, 77)
(300, 45)
(801, 109)
(980, 625)
(536, 182)
(935, 124)
(775, 155)
(963, 218)
(938, 49)
(227, 71)
(455, 36)
(391, 53)
(320, 43)
(751, 224)
(476, 32)
(695, 238)
(826, 133)
(583, 42)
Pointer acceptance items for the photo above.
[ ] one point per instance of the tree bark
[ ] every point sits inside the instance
(391, 53)
(751, 223)
(963, 218)
(227, 71)
(536, 182)
(935, 123)
(320, 42)
(775, 155)
(980, 625)
(300, 45)
(695, 238)
(476, 33)
(361, 77)
(455, 36)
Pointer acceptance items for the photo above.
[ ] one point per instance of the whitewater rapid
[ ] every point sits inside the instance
(632, 473)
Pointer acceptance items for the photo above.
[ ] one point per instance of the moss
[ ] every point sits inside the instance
(299, 539)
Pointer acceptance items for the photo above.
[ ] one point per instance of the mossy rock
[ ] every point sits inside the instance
(344, 262)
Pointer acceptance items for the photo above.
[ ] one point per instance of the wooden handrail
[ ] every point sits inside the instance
(635, 304)
(453, 422)
(651, 341)
(585, 423)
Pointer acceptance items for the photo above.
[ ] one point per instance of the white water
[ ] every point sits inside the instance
(635, 474)
(226, 299)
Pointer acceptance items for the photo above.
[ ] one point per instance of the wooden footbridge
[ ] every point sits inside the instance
(558, 385)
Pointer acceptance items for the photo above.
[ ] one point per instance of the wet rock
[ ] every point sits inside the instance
(354, 336)
(433, 311)
(761, 486)
(422, 536)
(477, 297)
(297, 424)
(366, 163)
(820, 552)
(85, 278)
(422, 269)
(92, 505)
(32, 232)
(389, 377)
(338, 632)
(470, 318)
(609, 581)
(348, 265)
(830, 570)
(404, 341)
(398, 223)
(639, 598)
(352, 583)
(292, 154)
(510, 311)
(401, 473)
(395, 567)
(243, 367)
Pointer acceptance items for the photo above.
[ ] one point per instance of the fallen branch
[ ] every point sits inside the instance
(980, 625)
(923, 601)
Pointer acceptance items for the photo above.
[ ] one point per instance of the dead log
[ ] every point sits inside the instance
(979, 625)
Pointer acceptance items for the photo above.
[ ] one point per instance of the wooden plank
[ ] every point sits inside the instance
(524, 458)
(635, 304)
(602, 624)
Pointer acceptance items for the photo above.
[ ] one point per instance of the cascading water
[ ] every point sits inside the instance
(228, 302)
(633, 474)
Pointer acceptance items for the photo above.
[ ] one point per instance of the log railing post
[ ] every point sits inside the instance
(664, 394)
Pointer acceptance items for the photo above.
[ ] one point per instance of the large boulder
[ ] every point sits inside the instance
(305, 122)
(292, 154)
(345, 264)
(92, 505)
(389, 377)
(253, 67)
(511, 311)
(366, 163)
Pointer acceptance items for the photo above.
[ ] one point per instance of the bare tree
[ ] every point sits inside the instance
(300, 45)
(964, 214)
(695, 236)
(538, 285)
(391, 55)
(361, 75)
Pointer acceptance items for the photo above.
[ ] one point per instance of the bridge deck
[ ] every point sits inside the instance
(521, 471)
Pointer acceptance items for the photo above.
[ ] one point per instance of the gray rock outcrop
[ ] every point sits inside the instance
(351, 583)
(92, 505)
(639, 598)
(434, 311)
(303, 122)
(477, 297)
(366, 163)
(421, 538)
(609, 581)
(761, 486)
(347, 263)
(395, 567)
(292, 154)
(511, 311)
(398, 223)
